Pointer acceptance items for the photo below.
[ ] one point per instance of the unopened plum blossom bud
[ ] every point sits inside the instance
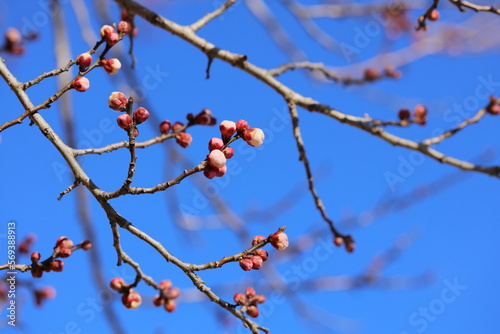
(81, 84)
(158, 301)
(118, 101)
(257, 262)
(262, 253)
(123, 27)
(246, 264)
(279, 240)
(117, 283)
(215, 144)
(253, 311)
(36, 272)
(112, 39)
(106, 30)
(371, 74)
(184, 139)
(349, 244)
(205, 117)
(170, 305)
(112, 65)
(166, 285)
(86, 245)
(220, 171)
(84, 60)
(254, 137)
(493, 109)
(136, 132)
(124, 121)
(64, 242)
(131, 299)
(63, 252)
(241, 125)
(434, 15)
(209, 172)
(177, 126)
(257, 239)
(13, 36)
(420, 111)
(227, 129)
(140, 115)
(216, 159)
(404, 114)
(174, 293)
(259, 299)
(43, 294)
(338, 241)
(165, 127)
(57, 266)
(228, 152)
(250, 292)
(35, 256)
(240, 298)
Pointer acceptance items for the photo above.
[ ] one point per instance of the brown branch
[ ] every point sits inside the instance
(477, 8)
(210, 16)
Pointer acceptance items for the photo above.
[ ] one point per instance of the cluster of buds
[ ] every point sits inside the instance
(109, 35)
(63, 248)
(41, 295)
(347, 241)
(372, 74)
(257, 258)
(419, 115)
(249, 302)
(119, 102)
(205, 117)
(13, 41)
(131, 299)
(493, 107)
(167, 296)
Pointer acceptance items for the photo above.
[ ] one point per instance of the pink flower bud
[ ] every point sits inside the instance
(132, 299)
(216, 159)
(84, 60)
(257, 262)
(246, 264)
(117, 283)
(177, 126)
(57, 266)
(123, 27)
(158, 301)
(36, 272)
(81, 84)
(241, 126)
(63, 252)
(86, 245)
(170, 305)
(338, 241)
(279, 240)
(136, 132)
(35, 256)
(220, 171)
(165, 127)
(420, 111)
(64, 242)
(254, 137)
(184, 139)
(118, 101)
(228, 152)
(124, 121)
(257, 239)
(227, 129)
(166, 285)
(13, 36)
(140, 115)
(434, 15)
(493, 109)
(253, 311)
(262, 253)
(112, 38)
(240, 298)
(106, 30)
(215, 144)
(250, 292)
(209, 172)
(174, 293)
(112, 66)
(205, 117)
(259, 299)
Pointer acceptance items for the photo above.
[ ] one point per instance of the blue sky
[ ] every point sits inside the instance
(454, 230)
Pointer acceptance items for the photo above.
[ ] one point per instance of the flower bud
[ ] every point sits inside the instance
(170, 305)
(228, 152)
(117, 283)
(254, 137)
(118, 101)
(35, 256)
(241, 126)
(63, 252)
(112, 66)
(184, 139)
(216, 159)
(13, 36)
(36, 272)
(371, 74)
(158, 301)
(257, 239)
(123, 27)
(84, 60)
(106, 30)
(131, 299)
(86, 245)
(227, 129)
(124, 121)
(338, 241)
(420, 111)
(240, 298)
(404, 114)
(140, 115)
(257, 262)
(434, 15)
(136, 132)
(205, 117)
(209, 172)
(279, 240)
(262, 253)
(81, 84)
(493, 109)
(253, 311)
(215, 144)
(174, 293)
(177, 126)
(246, 264)
(166, 285)
(112, 39)
(64, 242)
(259, 299)
(250, 292)
(165, 127)
(57, 266)
(219, 172)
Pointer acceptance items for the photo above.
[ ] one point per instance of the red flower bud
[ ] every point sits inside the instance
(170, 305)
(13, 36)
(57, 266)
(404, 114)
(216, 159)
(157, 301)
(184, 139)
(246, 264)
(124, 121)
(81, 84)
(259, 299)
(174, 293)
(117, 283)
(35, 256)
(241, 126)
(84, 60)
(262, 253)
(118, 101)
(257, 262)
(86, 245)
(106, 30)
(250, 292)
(112, 66)
(257, 239)
(131, 299)
(420, 111)
(253, 311)
(165, 127)
(36, 272)
(177, 126)
(140, 115)
(240, 298)
(215, 144)
(434, 15)
(228, 152)
(227, 129)
(123, 27)
(279, 240)
(338, 241)
(166, 285)
(254, 137)
(112, 39)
